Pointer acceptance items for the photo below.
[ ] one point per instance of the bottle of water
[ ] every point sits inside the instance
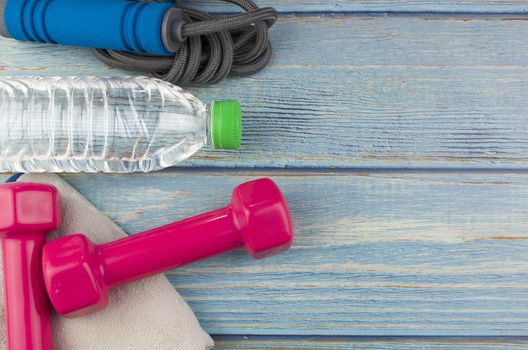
(107, 124)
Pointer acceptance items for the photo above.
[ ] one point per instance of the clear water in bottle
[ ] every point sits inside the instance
(107, 124)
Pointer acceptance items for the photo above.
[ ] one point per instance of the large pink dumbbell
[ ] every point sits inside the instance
(78, 274)
(27, 212)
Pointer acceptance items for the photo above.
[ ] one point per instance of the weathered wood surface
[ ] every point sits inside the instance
(375, 92)
(488, 6)
(344, 343)
(375, 253)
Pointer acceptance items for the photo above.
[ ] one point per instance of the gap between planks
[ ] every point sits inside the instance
(368, 343)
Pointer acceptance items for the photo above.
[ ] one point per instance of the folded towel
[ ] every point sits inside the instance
(147, 314)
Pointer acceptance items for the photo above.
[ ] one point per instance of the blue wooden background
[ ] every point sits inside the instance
(398, 132)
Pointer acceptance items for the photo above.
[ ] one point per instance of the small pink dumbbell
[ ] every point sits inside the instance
(27, 212)
(78, 274)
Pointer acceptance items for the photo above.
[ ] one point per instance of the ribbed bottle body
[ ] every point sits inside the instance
(97, 124)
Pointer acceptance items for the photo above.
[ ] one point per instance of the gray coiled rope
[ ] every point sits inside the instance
(214, 48)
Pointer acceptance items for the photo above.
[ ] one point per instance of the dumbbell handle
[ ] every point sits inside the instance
(169, 246)
(27, 306)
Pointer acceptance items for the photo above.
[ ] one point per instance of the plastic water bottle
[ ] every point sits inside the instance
(107, 124)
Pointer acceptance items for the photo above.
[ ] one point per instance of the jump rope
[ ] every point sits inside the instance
(235, 45)
(179, 45)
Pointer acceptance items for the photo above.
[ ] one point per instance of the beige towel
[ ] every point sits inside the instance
(147, 314)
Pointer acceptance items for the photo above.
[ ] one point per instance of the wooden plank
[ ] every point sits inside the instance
(382, 253)
(367, 343)
(490, 6)
(375, 92)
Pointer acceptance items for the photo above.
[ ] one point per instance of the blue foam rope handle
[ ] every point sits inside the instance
(104, 24)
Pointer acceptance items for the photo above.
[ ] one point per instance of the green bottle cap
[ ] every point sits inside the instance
(226, 124)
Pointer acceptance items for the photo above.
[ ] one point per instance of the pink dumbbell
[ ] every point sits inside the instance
(28, 212)
(78, 274)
